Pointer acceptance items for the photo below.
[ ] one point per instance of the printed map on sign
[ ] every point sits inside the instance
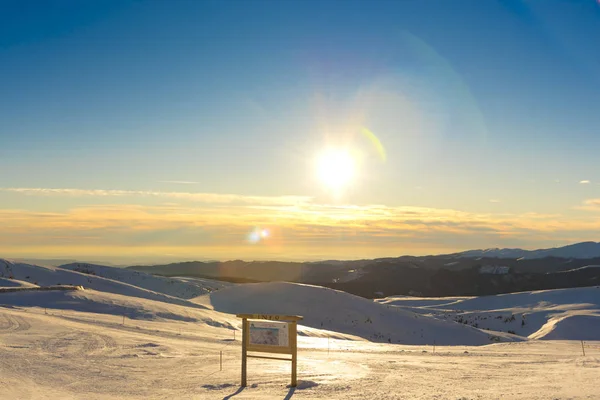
(269, 333)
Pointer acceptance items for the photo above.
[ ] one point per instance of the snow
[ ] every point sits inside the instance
(6, 282)
(186, 288)
(580, 268)
(342, 312)
(120, 341)
(566, 314)
(46, 276)
(352, 275)
(494, 269)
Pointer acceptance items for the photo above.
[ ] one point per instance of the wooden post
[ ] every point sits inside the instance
(244, 350)
(220, 361)
(582, 348)
(293, 341)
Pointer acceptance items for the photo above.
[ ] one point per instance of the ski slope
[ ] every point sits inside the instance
(69, 354)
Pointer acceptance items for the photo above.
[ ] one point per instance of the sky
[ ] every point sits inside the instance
(177, 130)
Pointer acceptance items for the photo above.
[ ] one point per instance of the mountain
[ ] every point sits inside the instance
(424, 276)
(583, 250)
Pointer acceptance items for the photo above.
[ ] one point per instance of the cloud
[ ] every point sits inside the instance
(181, 182)
(584, 182)
(209, 198)
(589, 205)
(216, 226)
(494, 201)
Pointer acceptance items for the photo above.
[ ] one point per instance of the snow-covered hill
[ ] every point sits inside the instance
(182, 288)
(338, 311)
(92, 301)
(569, 314)
(48, 276)
(327, 312)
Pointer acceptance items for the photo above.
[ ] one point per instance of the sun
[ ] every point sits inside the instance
(336, 168)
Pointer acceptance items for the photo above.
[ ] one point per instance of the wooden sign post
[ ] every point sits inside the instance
(268, 333)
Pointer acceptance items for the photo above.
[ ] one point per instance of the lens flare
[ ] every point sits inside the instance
(376, 142)
(258, 235)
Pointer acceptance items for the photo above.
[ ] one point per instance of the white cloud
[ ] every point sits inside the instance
(584, 182)
(494, 201)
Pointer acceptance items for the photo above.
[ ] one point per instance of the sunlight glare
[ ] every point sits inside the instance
(336, 168)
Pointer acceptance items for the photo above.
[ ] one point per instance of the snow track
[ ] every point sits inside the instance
(78, 344)
(12, 323)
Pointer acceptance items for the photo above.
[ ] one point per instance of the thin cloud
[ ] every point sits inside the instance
(584, 182)
(589, 205)
(181, 182)
(209, 198)
(494, 201)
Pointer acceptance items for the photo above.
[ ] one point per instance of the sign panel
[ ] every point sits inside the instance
(264, 333)
(272, 334)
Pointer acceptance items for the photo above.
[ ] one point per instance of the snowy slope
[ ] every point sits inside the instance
(91, 356)
(581, 325)
(47, 276)
(568, 314)
(6, 282)
(338, 311)
(182, 288)
(92, 301)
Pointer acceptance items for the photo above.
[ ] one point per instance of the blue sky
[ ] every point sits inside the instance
(487, 111)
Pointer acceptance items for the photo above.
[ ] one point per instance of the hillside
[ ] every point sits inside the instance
(185, 289)
(6, 282)
(566, 314)
(337, 311)
(47, 276)
(476, 273)
(397, 319)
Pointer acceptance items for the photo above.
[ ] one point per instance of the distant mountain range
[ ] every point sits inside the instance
(583, 250)
(470, 273)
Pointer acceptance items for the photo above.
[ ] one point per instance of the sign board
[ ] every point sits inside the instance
(271, 317)
(269, 333)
